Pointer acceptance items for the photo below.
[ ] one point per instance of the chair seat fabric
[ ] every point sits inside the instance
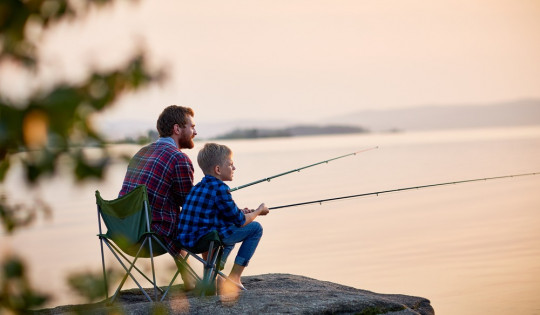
(203, 243)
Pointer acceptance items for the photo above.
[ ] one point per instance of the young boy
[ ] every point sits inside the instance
(209, 206)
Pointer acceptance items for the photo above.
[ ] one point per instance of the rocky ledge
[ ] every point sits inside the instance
(266, 294)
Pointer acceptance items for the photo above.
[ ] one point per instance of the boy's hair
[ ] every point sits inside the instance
(171, 116)
(212, 154)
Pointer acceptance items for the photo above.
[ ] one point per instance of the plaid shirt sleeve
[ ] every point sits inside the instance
(228, 211)
(182, 180)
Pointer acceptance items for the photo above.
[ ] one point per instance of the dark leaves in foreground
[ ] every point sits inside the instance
(16, 293)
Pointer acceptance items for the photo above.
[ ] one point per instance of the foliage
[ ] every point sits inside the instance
(19, 215)
(16, 293)
(53, 124)
(91, 285)
(150, 136)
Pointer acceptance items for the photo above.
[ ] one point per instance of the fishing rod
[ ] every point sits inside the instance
(400, 189)
(267, 179)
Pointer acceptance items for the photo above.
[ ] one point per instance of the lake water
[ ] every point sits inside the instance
(471, 248)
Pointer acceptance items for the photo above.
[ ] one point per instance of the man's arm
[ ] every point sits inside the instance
(182, 180)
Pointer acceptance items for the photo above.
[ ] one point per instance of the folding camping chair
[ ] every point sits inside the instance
(127, 219)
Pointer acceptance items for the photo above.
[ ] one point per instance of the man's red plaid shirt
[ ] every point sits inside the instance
(168, 176)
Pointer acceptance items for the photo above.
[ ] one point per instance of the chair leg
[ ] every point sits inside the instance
(153, 270)
(128, 273)
(169, 286)
(206, 271)
(135, 267)
(104, 272)
(216, 261)
(181, 263)
(210, 270)
(118, 253)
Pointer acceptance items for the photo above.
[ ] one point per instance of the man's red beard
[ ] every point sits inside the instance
(186, 142)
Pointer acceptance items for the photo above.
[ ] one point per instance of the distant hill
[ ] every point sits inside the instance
(301, 130)
(517, 113)
(428, 117)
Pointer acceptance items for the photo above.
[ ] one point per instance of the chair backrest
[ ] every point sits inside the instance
(127, 219)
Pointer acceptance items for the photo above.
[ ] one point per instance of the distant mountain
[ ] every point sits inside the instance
(517, 113)
(119, 130)
(429, 117)
(301, 130)
(217, 129)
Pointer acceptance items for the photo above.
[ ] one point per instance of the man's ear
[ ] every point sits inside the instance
(177, 129)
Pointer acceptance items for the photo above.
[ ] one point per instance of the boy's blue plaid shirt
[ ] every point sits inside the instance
(209, 206)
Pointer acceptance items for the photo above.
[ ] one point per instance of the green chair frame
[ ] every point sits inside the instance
(128, 219)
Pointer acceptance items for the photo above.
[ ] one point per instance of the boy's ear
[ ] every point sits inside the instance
(217, 170)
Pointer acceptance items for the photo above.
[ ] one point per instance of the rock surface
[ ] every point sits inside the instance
(266, 294)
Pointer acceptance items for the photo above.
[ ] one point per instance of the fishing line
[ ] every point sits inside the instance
(400, 189)
(267, 179)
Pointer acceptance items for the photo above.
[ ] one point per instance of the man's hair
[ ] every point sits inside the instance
(212, 154)
(171, 116)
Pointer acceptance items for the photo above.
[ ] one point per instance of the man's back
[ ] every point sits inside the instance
(168, 176)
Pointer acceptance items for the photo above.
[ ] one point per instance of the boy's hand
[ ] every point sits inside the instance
(263, 209)
(247, 210)
(252, 214)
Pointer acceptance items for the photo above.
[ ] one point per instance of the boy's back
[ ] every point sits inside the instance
(209, 206)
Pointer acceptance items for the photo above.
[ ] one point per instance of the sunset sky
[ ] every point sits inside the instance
(306, 60)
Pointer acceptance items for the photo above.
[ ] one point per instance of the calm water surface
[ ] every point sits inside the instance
(471, 248)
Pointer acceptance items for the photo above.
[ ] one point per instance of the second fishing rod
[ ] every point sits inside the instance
(267, 179)
(377, 193)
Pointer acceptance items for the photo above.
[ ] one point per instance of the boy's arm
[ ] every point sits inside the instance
(228, 211)
(250, 216)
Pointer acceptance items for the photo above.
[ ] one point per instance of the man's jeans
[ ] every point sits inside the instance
(249, 235)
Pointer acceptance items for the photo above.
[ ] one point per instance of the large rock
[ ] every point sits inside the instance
(266, 294)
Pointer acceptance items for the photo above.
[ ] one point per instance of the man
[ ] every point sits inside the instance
(167, 173)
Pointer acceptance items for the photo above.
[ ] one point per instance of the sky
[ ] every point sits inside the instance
(304, 60)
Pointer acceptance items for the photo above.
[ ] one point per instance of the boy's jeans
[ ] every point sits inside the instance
(249, 235)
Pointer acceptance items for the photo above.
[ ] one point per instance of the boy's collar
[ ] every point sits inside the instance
(212, 177)
(208, 176)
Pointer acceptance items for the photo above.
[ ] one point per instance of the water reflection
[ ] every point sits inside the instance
(470, 248)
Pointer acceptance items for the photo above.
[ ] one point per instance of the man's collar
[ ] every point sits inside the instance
(168, 140)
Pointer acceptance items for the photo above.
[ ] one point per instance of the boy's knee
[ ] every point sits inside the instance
(257, 228)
